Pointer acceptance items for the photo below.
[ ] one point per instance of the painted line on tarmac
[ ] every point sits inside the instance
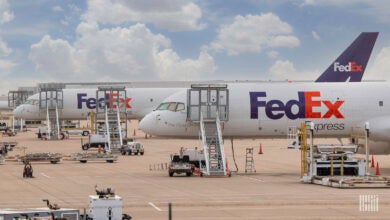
(155, 207)
(255, 179)
(45, 175)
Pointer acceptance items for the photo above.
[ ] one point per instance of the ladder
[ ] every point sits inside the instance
(213, 146)
(51, 101)
(114, 113)
(249, 162)
(53, 125)
(114, 129)
(208, 105)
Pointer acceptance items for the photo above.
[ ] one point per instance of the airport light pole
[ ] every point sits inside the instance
(367, 129)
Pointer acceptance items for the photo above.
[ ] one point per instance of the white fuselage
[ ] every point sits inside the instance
(268, 109)
(77, 103)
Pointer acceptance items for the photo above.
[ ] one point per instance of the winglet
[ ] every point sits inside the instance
(350, 65)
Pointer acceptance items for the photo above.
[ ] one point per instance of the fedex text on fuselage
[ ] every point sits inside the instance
(90, 102)
(307, 102)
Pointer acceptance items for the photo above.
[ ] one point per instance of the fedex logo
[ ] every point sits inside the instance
(350, 67)
(91, 102)
(306, 104)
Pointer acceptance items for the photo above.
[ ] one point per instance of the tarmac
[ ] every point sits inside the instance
(274, 191)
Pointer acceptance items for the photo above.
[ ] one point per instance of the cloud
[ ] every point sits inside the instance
(132, 53)
(57, 8)
(285, 70)
(174, 15)
(273, 54)
(380, 69)
(378, 9)
(6, 65)
(5, 14)
(315, 35)
(4, 49)
(252, 33)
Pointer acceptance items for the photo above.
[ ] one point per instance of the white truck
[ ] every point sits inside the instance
(132, 147)
(96, 140)
(42, 131)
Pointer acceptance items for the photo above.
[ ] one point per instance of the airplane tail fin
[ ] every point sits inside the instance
(350, 65)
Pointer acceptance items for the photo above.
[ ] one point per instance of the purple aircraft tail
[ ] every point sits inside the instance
(350, 65)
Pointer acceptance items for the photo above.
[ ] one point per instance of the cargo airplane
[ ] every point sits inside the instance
(349, 66)
(269, 109)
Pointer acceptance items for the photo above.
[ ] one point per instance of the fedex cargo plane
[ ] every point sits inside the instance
(78, 103)
(268, 109)
(349, 66)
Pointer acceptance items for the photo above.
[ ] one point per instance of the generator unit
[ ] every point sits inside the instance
(105, 205)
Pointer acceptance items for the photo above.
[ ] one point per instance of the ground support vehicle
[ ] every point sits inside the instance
(9, 145)
(180, 165)
(41, 157)
(85, 157)
(95, 141)
(132, 148)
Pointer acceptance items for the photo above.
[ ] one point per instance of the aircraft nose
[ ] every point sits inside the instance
(147, 123)
(18, 112)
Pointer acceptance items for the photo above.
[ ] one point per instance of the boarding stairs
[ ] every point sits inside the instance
(52, 118)
(208, 106)
(213, 147)
(114, 115)
(115, 129)
(51, 101)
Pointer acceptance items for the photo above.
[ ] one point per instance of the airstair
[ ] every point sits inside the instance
(112, 108)
(208, 106)
(16, 98)
(51, 100)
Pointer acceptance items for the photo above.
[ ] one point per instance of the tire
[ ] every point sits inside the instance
(85, 133)
(129, 153)
(83, 161)
(188, 173)
(53, 162)
(123, 152)
(85, 147)
(110, 161)
(171, 174)
(142, 153)
(136, 153)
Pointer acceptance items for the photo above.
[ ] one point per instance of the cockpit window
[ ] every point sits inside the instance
(163, 106)
(31, 102)
(180, 106)
(171, 106)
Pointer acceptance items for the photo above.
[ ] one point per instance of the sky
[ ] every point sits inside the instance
(138, 40)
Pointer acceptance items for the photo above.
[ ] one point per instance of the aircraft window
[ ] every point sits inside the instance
(163, 106)
(180, 107)
(172, 106)
(31, 102)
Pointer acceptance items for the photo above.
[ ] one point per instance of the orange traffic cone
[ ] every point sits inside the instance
(377, 169)
(260, 149)
(227, 167)
(134, 133)
(228, 172)
(372, 161)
